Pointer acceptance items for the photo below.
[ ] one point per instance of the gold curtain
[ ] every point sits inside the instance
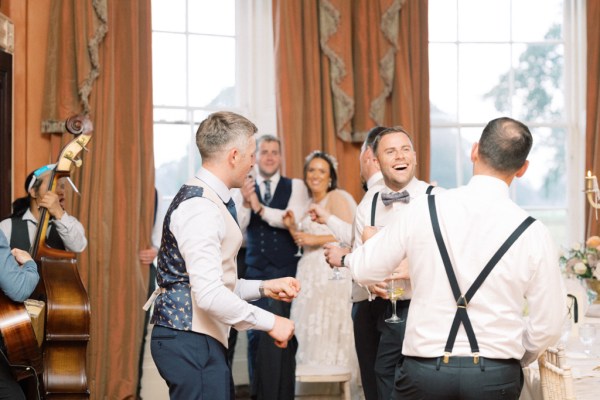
(343, 67)
(100, 63)
(592, 142)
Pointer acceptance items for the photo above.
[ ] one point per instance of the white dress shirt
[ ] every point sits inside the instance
(342, 230)
(475, 220)
(69, 228)
(383, 214)
(298, 203)
(199, 228)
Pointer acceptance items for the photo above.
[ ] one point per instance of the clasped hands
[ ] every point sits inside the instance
(283, 289)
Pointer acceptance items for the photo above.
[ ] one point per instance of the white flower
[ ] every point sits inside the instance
(580, 268)
(576, 246)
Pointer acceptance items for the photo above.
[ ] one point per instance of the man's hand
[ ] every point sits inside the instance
(318, 213)
(148, 255)
(379, 289)
(283, 289)
(51, 201)
(21, 256)
(248, 191)
(282, 331)
(334, 253)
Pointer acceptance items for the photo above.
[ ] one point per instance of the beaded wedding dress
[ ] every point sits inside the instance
(322, 311)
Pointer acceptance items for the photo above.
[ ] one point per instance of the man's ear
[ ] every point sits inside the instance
(475, 152)
(233, 156)
(521, 171)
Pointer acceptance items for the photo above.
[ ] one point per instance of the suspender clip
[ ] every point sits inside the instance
(446, 357)
(475, 358)
(462, 302)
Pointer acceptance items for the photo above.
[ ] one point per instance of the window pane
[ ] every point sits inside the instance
(480, 67)
(171, 158)
(212, 71)
(168, 77)
(443, 156)
(544, 182)
(168, 15)
(548, 13)
(538, 82)
(212, 17)
(484, 20)
(442, 20)
(442, 82)
(170, 114)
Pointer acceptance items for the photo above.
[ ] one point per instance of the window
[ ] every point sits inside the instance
(205, 54)
(508, 58)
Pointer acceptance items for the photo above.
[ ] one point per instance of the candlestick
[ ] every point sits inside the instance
(591, 189)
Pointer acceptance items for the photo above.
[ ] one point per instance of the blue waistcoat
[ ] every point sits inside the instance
(173, 308)
(270, 251)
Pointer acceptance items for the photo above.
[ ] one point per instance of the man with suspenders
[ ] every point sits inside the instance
(474, 257)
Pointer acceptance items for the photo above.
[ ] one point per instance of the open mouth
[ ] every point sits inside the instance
(400, 167)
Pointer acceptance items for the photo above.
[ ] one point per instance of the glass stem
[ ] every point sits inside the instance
(394, 308)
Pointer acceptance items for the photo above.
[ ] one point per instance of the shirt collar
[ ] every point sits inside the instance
(376, 177)
(274, 179)
(28, 216)
(489, 186)
(411, 187)
(214, 183)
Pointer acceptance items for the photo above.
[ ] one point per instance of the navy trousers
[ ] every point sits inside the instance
(460, 379)
(194, 365)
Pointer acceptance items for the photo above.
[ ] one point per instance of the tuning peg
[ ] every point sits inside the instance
(81, 142)
(76, 161)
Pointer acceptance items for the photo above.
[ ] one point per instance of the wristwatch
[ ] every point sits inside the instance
(261, 289)
(342, 260)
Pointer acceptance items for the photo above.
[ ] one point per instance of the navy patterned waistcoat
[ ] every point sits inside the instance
(270, 250)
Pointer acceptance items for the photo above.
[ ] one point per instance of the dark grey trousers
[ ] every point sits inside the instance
(460, 379)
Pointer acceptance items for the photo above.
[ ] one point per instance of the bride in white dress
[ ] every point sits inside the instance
(322, 312)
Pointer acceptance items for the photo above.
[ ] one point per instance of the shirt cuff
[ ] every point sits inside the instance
(265, 321)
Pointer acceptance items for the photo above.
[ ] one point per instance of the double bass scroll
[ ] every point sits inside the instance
(67, 329)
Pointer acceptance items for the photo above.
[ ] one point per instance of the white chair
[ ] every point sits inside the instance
(555, 375)
(326, 373)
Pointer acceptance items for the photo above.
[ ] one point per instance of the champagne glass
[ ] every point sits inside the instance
(299, 229)
(587, 336)
(337, 274)
(395, 289)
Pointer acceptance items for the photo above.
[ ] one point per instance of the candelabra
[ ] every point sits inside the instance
(591, 190)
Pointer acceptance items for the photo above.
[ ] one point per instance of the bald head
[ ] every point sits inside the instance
(505, 144)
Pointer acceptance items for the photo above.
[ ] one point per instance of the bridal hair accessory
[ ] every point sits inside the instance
(322, 154)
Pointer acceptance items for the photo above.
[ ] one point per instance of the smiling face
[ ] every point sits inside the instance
(268, 158)
(397, 160)
(318, 176)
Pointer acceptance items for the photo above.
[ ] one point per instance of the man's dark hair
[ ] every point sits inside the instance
(387, 131)
(505, 144)
(371, 136)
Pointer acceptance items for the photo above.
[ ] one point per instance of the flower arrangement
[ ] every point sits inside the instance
(583, 260)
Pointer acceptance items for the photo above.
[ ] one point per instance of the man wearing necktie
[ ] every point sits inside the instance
(270, 253)
(199, 296)
(397, 160)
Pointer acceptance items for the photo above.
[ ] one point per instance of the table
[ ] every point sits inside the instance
(585, 369)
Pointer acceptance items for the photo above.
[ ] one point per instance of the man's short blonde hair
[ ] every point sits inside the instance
(222, 131)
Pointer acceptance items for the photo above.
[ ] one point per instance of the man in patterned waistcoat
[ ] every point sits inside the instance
(270, 253)
(199, 296)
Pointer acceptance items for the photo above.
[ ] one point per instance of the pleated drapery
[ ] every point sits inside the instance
(343, 67)
(100, 63)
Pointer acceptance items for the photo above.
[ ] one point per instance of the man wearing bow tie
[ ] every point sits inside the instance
(397, 160)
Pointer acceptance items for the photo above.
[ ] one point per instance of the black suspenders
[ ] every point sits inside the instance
(462, 301)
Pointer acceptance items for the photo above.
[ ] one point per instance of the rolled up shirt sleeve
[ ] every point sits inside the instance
(71, 232)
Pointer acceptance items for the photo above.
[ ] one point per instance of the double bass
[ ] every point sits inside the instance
(67, 327)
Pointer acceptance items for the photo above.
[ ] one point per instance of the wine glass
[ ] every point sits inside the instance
(299, 229)
(337, 274)
(395, 289)
(587, 336)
